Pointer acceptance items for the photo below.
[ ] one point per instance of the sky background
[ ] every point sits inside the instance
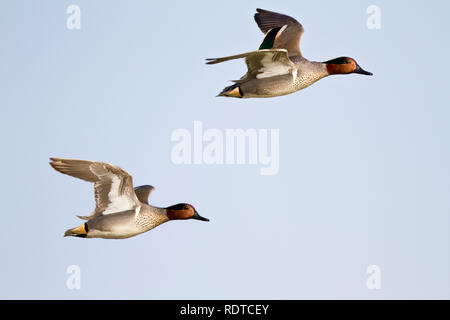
(364, 174)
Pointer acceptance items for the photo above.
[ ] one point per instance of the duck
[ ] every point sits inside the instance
(121, 211)
(278, 67)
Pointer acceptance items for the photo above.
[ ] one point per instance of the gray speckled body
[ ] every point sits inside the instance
(305, 74)
(126, 224)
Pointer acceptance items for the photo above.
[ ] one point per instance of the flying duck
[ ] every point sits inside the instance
(121, 211)
(278, 67)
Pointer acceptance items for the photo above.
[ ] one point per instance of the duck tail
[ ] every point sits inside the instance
(232, 91)
(80, 231)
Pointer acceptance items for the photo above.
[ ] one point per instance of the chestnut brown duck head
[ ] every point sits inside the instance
(345, 65)
(183, 211)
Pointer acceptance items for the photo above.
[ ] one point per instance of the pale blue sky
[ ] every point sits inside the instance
(364, 161)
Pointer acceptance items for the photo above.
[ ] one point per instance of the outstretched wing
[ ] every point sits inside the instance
(262, 63)
(142, 193)
(286, 33)
(113, 186)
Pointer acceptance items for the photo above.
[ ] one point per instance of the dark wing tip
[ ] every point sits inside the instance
(258, 13)
(146, 186)
(211, 60)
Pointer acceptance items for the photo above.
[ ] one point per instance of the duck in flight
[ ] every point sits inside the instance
(278, 67)
(121, 211)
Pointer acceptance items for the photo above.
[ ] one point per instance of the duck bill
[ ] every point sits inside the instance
(199, 217)
(360, 70)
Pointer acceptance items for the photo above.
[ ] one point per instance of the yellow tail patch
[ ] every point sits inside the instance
(80, 231)
(234, 93)
(231, 91)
